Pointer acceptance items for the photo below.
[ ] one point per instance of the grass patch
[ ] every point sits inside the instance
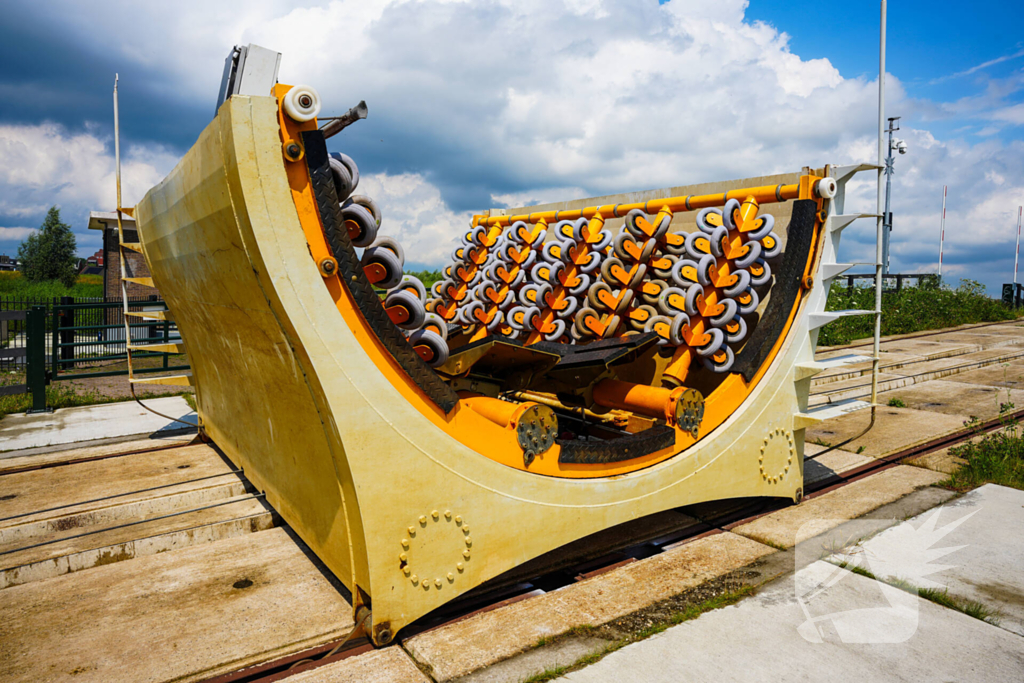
(996, 458)
(190, 399)
(912, 309)
(940, 596)
(896, 403)
(635, 634)
(15, 286)
(63, 395)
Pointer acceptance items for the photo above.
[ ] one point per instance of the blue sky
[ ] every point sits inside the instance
(494, 102)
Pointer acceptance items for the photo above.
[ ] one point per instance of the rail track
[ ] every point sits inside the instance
(561, 568)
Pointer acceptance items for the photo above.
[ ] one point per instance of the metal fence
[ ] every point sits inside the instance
(74, 338)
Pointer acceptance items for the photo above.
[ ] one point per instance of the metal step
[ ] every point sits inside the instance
(815, 416)
(152, 315)
(172, 380)
(169, 347)
(144, 281)
(817, 320)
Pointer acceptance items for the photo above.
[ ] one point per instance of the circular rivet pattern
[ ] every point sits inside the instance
(432, 524)
(790, 451)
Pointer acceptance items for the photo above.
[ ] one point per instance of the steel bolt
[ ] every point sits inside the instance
(292, 150)
(405, 543)
(465, 554)
(451, 577)
(436, 515)
(423, 520)
(447, 514)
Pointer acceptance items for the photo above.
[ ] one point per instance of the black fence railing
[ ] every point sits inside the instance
(77, 337)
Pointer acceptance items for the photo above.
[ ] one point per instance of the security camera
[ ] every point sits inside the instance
(901, 146)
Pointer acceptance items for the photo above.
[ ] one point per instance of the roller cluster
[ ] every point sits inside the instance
(382, 260)
(575, 283)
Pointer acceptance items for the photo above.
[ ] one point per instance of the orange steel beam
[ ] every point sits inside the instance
(766, 194)
(638, 398)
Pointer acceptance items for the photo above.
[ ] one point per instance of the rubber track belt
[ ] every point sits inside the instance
(352, 277)
(642, 443)
(785, 293)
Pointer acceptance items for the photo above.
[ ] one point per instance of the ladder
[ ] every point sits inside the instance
(124, 249)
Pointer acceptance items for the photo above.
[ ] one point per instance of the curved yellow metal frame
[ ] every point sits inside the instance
(364, 468)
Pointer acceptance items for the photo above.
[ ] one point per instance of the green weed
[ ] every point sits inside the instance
(897, 403)
(996, 458)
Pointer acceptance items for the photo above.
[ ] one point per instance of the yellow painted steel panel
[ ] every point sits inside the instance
(394, 506)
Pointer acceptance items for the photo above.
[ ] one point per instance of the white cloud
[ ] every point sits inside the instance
(524, 99)
(44, 165)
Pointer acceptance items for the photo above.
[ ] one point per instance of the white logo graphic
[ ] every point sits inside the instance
(900, 559)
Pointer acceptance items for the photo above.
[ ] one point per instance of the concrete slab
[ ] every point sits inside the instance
(953, 397)
(802, 628)
(820, 467)
(522, 667)
(981, 531)
(1010, 374)
(850, 388)
(181, 615)
(894, 430)
(789, 526)
(62, 454)
(388, 665)
(87, 423)
(935, 369)
(460, 648)
(81, 487)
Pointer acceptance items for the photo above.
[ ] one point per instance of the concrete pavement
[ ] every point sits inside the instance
(89, 423)
(827, 623)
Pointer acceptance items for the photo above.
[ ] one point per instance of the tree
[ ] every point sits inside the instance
(49, 253)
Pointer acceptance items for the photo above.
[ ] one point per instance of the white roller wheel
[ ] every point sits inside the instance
(436, 289)
(827, 188)
(675, 332)
(477, 235)
(750, 306)
(515, 317)
(704, 268)
(727, 212)
(579, 322)
(367, 203)
(392, 245)
(581, 288)
(767, 224)
(433, 341)
(723, 318)
(654, 320)
(493, 326)
(679, 277)
(753, 254)
(539, 272)
(638, 325)
(558, 333)
(387, 259)
(343, 183)
(691, 299)
(665, 273)
(552, 251)
(692, 250)
(602, 244)
(302, 103)
(706, 226)
(410, 283)
(742, 282)
(776, 246)
(364, 221)
(571, 305)
(556, 268)
(717, 339)
(652, 299)
(458, 254)
(738, 332)
(564, 230)
(764, 278)
(531, 315)
(411, 303)
(631, 225)
(664, 303)
(435, 323)
(716, 238)
(722, 367)
(350, 164)
(661, 227)
(594, 299)
(592, 264)
(577, 228)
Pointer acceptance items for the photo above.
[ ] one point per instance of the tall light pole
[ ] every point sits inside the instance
(894, 146)
(879, 221)
(1016, 256)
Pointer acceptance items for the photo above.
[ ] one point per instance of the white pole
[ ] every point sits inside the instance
(1016, 256)
(880, 223)
(942, 229)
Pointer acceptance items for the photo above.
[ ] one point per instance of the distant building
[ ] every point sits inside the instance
(93, 265)
(109, 257)
(8, 263)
